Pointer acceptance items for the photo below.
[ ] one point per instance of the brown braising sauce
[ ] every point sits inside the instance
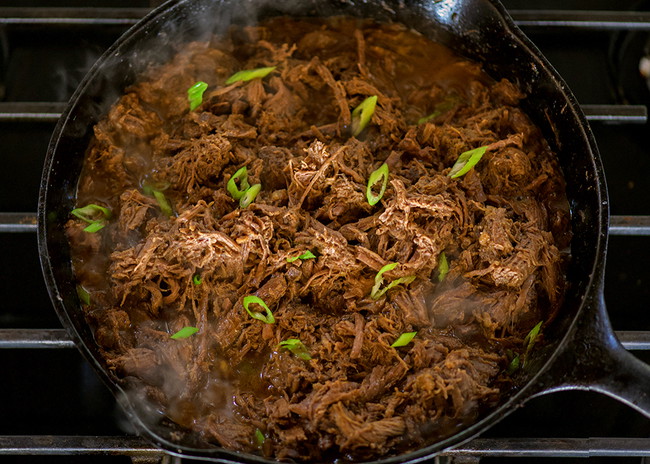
(319, 377)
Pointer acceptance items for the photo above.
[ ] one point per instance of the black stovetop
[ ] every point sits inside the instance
(50, 393)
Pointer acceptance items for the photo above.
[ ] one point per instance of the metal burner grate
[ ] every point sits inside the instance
(54, 408)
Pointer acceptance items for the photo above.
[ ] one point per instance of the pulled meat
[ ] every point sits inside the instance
(502, 227)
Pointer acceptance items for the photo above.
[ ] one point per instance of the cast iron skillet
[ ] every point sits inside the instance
(580, 350)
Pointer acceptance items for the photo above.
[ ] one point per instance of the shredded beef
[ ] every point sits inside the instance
(351, 395)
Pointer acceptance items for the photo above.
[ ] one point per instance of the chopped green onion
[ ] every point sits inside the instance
(296, 347)
(443, 266)
(530, 339)
(165, 207)
(83, 295)
(362, 114)
(466, 161)
(90, 213)
(95, 227)
(380, 174)
(240, 176)
(306, 255)
(148, 188)
(424, 119)
(195, 94)
(185, 332)
(514, 365)
(404, 339)
(376, 292)
(250, 299)
(440, 108)
(196, 279)
(249, 195)
(259, 437)
(249, 74)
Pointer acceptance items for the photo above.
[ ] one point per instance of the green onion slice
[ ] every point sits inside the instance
(83, 295)
(306, 255)
(94, 215)
(466, 161)
(429, 117)
(165, 207)
(377, 292)
(380, 174)
(530, 339)
(196, 279)
(185, 332)
(259, 437)
(404, 339)
(95, 227)
(240, 176)
(149, 187)
(266, 318)
(249, 195)
(514, 365)
(362, 114)
(443, 266)
(90, 212)
(440, 109)
(296, 347)
(195, 94)
(250, 74)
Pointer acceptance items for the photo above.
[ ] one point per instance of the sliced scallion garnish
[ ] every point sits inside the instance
(185, 332)
(195, 94)
(377, 292)
(249, 195)
(429, 117)
(440, 108)
(306, 255)
(362, 114)
(266, 318)
(296, 347)
(404, 339)
(148, 187)
(529, 340)
(83, 295)
(241, 177)
(196, 279)
(466, 161)
(165, 207)
(259, 437)
(94, 215)
(94, 227)
(514, 365)
(380, 174)
(249, 74)
(443, 266)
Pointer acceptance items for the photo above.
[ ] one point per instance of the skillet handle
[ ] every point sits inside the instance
(595, 360)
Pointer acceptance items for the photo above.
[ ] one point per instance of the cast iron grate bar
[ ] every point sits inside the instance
(18, 222)
(481, 447)
(618, 225)
(554, 447)
(619, 114)
(50, 112)
(596, 19)
(72, 16)
(39, 445)
(58, 338)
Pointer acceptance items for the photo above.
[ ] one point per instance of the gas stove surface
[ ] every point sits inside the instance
(55, 409)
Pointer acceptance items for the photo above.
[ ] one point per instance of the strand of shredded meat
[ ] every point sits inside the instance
(503, 227)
